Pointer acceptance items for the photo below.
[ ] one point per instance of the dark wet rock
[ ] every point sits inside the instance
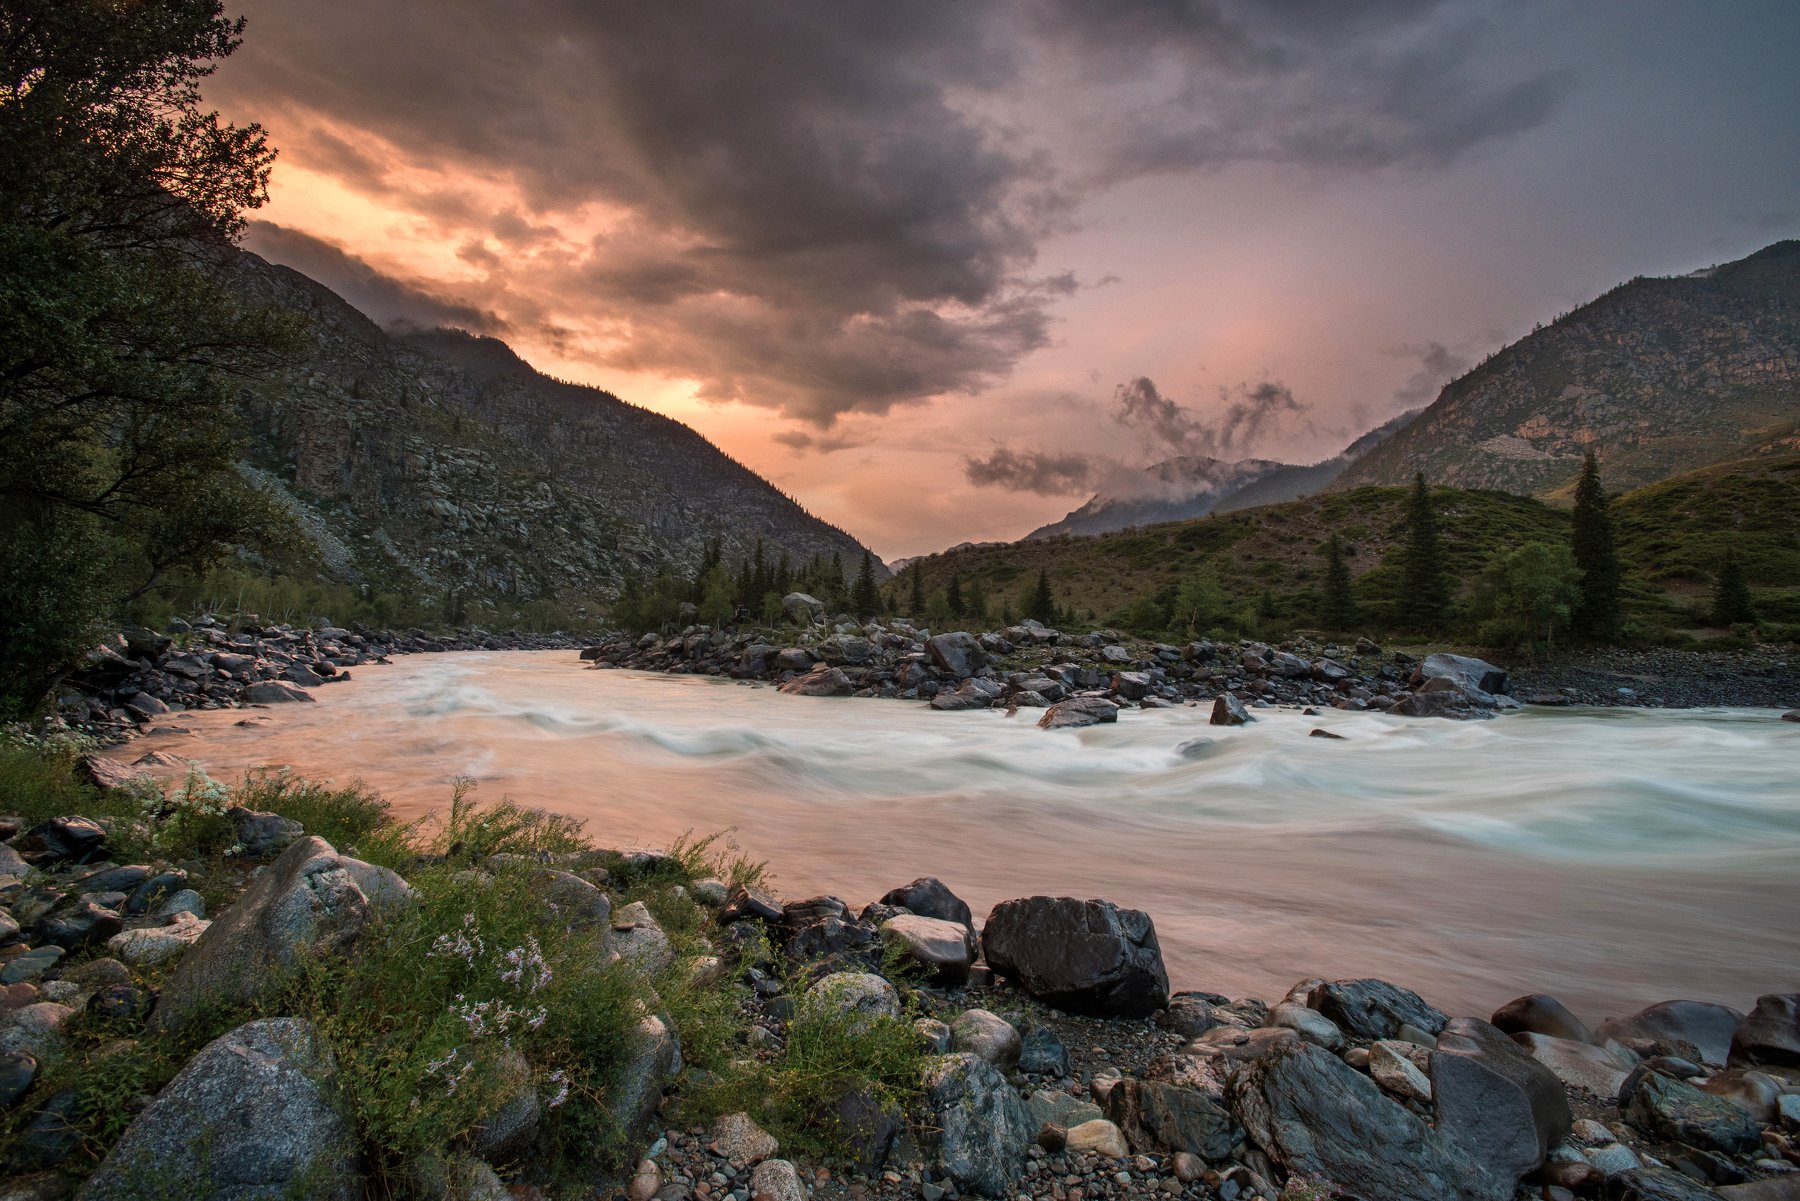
(18, 1071)
(262, 834)
(1196, 748)
(1468, 673)
(970, 694)
(1087, 957)
(50, 1137)
(1675, 1111)
(250, 1116)
(1706, 1027)
(155, 890)
(30, 965)
(121, 1003)
(822, 680)
(62, 840)
(1079, 711)
(1655, 1184)
(867, 1129)
(1486, 1115)
(77, 923)
(1042, 1053)
(1192, 1014)
(1157, 1117)
(747, 901)
(930, 897)
(1227, 710)
(111, 879)
(274, 692)
(1543, 1090)
(980, 1129)
(310, 900)
(1369, 1009)
(958, 654)
(1540, 1014)
(1770, 1034)
(1318, 733)
(1314, 1115)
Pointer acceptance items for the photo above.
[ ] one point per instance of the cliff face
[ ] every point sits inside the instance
(443, 461)
(1658, 376)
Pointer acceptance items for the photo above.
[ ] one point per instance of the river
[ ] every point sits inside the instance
(1611, 858)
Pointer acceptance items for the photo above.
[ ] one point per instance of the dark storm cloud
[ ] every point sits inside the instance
(389, 302)
(833, 208)
(1038, 471)
(1437, 367)
(1245, 415)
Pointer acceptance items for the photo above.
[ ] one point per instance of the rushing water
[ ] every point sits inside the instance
(1610, 857)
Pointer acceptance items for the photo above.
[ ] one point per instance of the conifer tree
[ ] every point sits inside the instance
(1338, 612)
(1596, 555)
(865, 597)
(954, 595)
(1731, 595)
(976, 599)
(1425, 585)
(1042, 605)
(917, 608)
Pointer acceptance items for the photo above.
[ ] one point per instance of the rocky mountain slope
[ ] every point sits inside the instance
(441, 461)
(1659, 376)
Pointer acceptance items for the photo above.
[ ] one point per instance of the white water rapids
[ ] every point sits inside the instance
(1611, 858)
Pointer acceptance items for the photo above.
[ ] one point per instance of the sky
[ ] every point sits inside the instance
(942, 270)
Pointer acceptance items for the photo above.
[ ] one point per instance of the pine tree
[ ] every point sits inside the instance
(954, 595)
(917, 608)
(1597, 614)
(1731, 595)
(1338, 613)
(1425, 586)
(976, 599)
(1042, 605)
(865, 598)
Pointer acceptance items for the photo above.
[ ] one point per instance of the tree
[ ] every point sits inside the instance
(1526, 591)
(117, 367)
(1338, 610)
(976, 600)
(1200, 602)
(1731, 595)
(1425, 585)
(916, 607)
(953, 596)
(718, 603)
(865, 598)
(1597, 614)
(1042, 605)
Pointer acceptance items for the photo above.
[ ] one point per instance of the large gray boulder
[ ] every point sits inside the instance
(652, 1062)
(1314, 1115)
(1487, 1044)
(1374, 1008)
(1467, 673)
(822, 680)
(1079, 711)
(943, 950)
(958, 653)
(1771, 1034)
(1675, 1111)
(803, 609)
(1086, 957)
(982, 1129)
(250, 1118)
(310, 901)
(1160, 1117)
(1486, 1115)
(1702, 1025)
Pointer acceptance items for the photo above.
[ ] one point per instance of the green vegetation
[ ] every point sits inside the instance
(1526, 592)
(715, 595)
(478, 990)
(1338, 609)
(120, 348)
(1597, 614)
(1731, 595)
(865, 598)
(1424, 582)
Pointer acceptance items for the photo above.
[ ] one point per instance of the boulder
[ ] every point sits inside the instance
(652, 1062)
(942, 949)
(988, 1036)
(35, 1030)
(1227, 710)
(776, 1180)
(1543, 1090)
(862, 997)
(636, 938)
(1041, 1053)
(1079, 711)
(18, 1072)
(1314, 1115)
(62, 840)
(250, 1117)
(803, 609)
(1578, 1065)
(1086, 957)
(1771, 1034)
(1655, 1184)
(1485, 1115)
(972, 693)
(1540, 1014)
(262, 834)
(1704, 1026)
(1474, 675)
(1096, 1137)
(1159, 1117)
(740, 1141)
(309, 901)
(930, 897)
(980, 1130)
(958, 654)
(1675, 1111)
(822, 680)
(78, 922)
(1758, 1093)
(1393, 1069)
(151, 945)
(1369, 1009)
(274, 692)
(1308, 1023)
(510, 1121)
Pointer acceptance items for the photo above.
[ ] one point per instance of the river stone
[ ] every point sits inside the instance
(62, 840)
(1540, 1014)
(652, 1062)
(1308, 1023)
(1675, 1111)
(1227, 710)
(1193, 1014)
(510, 1121)
(155, 890)
(111, 879)
(930, 897)
(274, 692)
(1160, 1117)
(1577, 1065)
(1771, 1034)
(151, 945)
(1757, 1092)
(740, 1141)
(958, 654)
(1369, 1009)
(1656, 1184)
(1098, 1137)
(941, 948)
(1041, 1053)
(30, 965)
(1475, 675)
(307, 902)
(980, 1129)
(248, 1119)
(262, 834)
(1314, 1115)
(748, 901)
(1476, 1039)
(1394, 1070)
(79, 922)
(1486, 1115)
(182, 903)
(862, 997)
(988, 1036)
(1700, 1024)
(822, 680)
(1079, 711)
(1053, 1107)
(776, 1180)
(18, 1071)
(637, 939)
(35, 1030)
(1085, 957)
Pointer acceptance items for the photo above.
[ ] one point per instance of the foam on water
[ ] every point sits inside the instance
(1599, 842)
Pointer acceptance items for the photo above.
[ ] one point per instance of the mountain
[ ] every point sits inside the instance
(1659, 376)
(443, 462)
(1186, 487)
(1173, 490)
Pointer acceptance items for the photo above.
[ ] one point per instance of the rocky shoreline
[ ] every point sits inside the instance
(1057, 1062)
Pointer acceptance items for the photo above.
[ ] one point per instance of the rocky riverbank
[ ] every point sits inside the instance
(1054, 1060)
(1077, 679)
(1761, 677)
